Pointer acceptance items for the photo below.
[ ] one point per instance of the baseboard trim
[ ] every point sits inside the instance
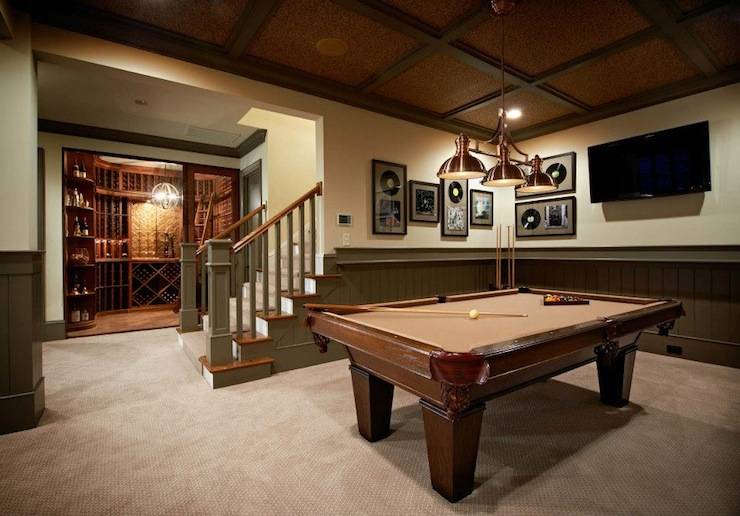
(22, 411)
(691, 348)
(54, 330)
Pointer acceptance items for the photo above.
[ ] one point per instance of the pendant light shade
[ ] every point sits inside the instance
(505, 173)
(538, 181)
(462, 165)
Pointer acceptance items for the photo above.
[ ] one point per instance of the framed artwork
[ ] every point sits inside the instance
(389, 198)
(454, 207)
(481, 208)
(546, 218)
(562, 169)
(423, 201)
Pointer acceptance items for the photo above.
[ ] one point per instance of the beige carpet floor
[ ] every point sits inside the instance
(130, 428)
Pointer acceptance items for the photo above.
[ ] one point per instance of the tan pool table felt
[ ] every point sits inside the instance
(458, 333)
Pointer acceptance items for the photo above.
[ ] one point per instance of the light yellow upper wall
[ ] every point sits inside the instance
(53, 145)
(18, 172)
(711, 218)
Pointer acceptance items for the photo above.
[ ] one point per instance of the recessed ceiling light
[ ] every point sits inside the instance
(141, 102)
(513, 113)
(332, 47)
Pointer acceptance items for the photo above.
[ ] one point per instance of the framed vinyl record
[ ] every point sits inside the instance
(562, 169)
(423, 201)
(546, 218)
(454, 207)
(389, 198)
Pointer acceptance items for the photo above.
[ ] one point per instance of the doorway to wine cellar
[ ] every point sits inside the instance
(124, 219)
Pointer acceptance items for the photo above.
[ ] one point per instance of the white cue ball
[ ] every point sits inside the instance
(473, 314)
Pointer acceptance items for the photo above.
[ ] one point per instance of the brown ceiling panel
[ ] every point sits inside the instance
(721, 33)
(203, 20)
(438, 14)
(439, 83)
(653, 64)
(541, 34)
(289, 38)
(535, 109)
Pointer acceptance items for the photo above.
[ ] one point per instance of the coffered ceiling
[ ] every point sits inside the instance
(436, 62)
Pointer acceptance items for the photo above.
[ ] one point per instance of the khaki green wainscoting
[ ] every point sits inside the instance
(21, 334)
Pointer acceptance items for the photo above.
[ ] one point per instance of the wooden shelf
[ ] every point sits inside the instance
(81, 265)
(81, 236)
(81, 180)
(111, 260)
(80, 325)
(71, 294)
(155, 260)
(84, 208)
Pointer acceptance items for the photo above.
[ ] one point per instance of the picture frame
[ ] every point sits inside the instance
(423, 201)
(389, 211)
(454, 207)
(546, 218)
(481, 208)
(562, 168)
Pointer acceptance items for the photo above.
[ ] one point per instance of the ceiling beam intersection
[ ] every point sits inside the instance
(253, 17)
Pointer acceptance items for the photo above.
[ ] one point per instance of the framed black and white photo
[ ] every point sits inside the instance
(562, 169)
(546, 218)
(481, 208)
(389, 198)
(423, 201)
(454, 207)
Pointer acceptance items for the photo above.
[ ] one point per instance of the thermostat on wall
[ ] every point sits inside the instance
(344, 219)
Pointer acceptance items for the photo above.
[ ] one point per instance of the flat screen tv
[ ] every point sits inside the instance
(671, 162)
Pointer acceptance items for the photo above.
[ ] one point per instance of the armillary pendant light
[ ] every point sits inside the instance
(165, 195)
(462, 165)
(508, 171)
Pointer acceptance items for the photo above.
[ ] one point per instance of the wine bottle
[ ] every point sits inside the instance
(83, 170)
(76, 170)
(75, 284)
(74, 314)
(85, 315)
(75, 197)
(84, 227)
(76, 229)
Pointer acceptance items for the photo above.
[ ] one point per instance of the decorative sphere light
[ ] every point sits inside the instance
(165, 195)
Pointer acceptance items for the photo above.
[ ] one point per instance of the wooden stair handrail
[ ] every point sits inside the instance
(241, 244)
(236, 225)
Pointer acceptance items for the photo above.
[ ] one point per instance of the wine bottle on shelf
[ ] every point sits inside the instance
(107, 248)
(124, 250)
(67, 199)
(74, 314)
(85, 315)
(84, 227)
(75, 284)
(83, 170)
(76, 170)
(75, 197)
(76, 229)
(83, 288)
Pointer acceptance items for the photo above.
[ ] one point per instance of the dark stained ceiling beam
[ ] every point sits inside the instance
(251, 142)
(379, 12)
(427, 50)
(657, 96)
(664, 15)
(254, 15)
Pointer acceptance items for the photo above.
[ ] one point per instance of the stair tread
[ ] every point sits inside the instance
(272, 315)
(246, 340)
(298, 295)
(323, 276)
(235, 364)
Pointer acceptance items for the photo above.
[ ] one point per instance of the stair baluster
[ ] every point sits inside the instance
(289, 252)
(312, 263)
(253, 289)
(302, 249)
(278, 270)
(265, 273)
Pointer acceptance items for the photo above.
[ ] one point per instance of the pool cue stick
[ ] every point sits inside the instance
(508, 256)
(513, 257)
(498, 257)
(437, 312)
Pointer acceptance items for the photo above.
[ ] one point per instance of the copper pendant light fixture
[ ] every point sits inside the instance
(462, 165)
(507, 171)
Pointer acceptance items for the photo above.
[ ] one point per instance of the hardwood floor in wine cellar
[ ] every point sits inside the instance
(134, 320)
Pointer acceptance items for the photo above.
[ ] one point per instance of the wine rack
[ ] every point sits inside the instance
(111, 216)
(113, 286)
(155, 283)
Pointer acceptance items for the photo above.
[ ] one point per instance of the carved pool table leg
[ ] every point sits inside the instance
(452, 448)
(615, 366)
(373, 402)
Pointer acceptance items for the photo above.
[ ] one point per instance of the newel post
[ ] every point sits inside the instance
(188, 280)
(218, 341)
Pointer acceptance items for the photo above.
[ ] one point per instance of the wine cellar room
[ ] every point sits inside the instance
(124, 219)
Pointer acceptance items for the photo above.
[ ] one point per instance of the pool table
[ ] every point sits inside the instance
(455, 363)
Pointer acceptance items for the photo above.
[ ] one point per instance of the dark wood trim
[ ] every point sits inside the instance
(6, 27)
(686, 41)
(101, 133)
(253, 141)
(642, 100)
(253, 17)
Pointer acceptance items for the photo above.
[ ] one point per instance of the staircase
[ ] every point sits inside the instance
(265, 333)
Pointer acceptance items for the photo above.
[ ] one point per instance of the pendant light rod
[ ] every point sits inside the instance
(526, 162)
